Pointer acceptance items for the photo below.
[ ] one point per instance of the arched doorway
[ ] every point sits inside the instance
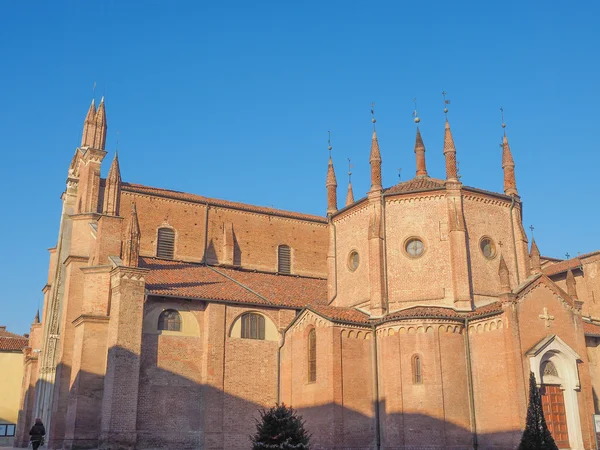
(554, 365)
(553, 403)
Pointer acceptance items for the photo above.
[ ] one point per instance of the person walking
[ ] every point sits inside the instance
(37, 434)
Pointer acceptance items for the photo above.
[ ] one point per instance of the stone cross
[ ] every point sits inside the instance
(546, 317)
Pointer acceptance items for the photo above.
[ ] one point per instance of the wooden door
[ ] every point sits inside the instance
(553, 404)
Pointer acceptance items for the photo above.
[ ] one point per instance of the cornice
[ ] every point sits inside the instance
(90, 318)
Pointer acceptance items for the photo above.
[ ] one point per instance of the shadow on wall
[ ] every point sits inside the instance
(175, 412)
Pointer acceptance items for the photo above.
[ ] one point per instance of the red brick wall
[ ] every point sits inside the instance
(257, 236)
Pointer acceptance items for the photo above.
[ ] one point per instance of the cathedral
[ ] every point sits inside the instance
(408, 319)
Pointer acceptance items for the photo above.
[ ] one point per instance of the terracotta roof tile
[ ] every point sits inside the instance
(179, 279)
(416, 185)
(12, 341)
(337, 313)
(141, 189)
(563, 266)
(591, 329)
(352, 315)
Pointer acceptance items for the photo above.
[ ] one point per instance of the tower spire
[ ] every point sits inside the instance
(100, 136)
(131, 247)
(89, 126)
(350, 194)
(375, 157)
(508, 164)
(419, 146)
(37, 317)
(331, 182)
(449, 148)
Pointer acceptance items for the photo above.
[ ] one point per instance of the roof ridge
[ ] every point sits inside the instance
(240, 284)
(235, 268)
(135, 187)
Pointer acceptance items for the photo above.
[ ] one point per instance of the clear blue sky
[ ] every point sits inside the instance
(234, 99)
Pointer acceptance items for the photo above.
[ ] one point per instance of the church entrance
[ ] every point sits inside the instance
(553, 403)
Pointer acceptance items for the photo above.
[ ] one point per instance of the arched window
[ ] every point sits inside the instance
(417, 370)
(312, 356)
(284, 259)
(253, 326)
(165, 248)
(169, 320)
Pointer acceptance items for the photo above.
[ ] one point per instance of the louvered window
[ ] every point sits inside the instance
(169, 320)
(312, 356)
(166, 243)
(284, 259)
(253, 326)
(417, 370)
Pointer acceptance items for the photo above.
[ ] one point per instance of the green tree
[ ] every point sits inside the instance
(536, 435)
(280, 428)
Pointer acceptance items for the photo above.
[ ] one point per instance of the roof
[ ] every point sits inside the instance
(11, 341)
(423, 184)
(353, 315)
(563, 266)
(417, 184)
(203, 282)
(591, 329)
(178, 195)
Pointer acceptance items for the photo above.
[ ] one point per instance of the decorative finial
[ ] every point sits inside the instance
(415, 113)
(94, 90)
(458, 175)
(503, 124)
(400, 173)
(531, 227)
(567, 255)
(117, 144)
(350, 166)
(329, 147)
(446, 103)
(373, 114)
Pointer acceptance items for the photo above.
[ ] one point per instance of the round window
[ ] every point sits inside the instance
(353, 260)
(414, 247)
(488, 248)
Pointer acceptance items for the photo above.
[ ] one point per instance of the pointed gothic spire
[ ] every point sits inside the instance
(37, 317)
(112, 190)
(89, 126)
(331, 188)
(349, 195)
(131, 246)
(504, 276)
(100, 137)
(534, 257)
(420, 154)
(375, 161)
(450, 155)
(571, 285)
(508, 165)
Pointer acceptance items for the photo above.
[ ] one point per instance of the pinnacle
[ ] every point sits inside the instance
(534, 248)
(419, 141)
(375, 154)
(37, 317)
(349, 195)
(507, 158)
(504, 275)
(331, 180)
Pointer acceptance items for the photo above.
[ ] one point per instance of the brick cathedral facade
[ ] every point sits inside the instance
(407, 319)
